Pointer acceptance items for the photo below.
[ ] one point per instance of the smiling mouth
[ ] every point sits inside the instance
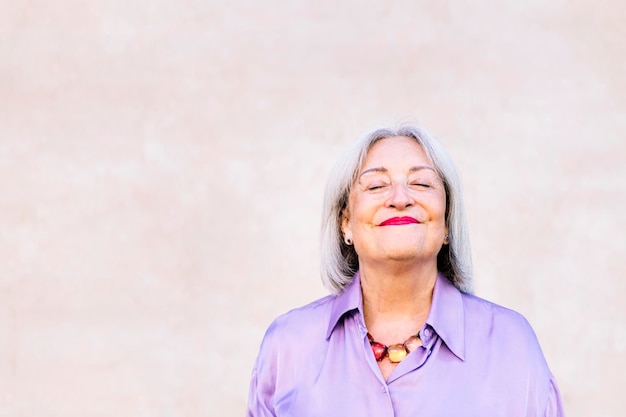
(398, 221)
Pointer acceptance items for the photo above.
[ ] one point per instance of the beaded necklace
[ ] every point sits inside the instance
(395, 352)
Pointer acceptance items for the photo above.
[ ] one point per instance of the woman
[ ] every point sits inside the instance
(401, 335)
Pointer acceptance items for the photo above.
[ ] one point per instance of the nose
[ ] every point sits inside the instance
(400, 197)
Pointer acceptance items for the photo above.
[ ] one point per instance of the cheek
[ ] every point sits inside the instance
(362, 214)
(438, 206)
(442, 211)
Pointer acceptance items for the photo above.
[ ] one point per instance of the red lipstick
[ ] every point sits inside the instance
(397, 221)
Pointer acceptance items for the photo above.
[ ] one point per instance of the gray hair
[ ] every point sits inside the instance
(340, 262)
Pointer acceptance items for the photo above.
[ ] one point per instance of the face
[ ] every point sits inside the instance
(396, 208)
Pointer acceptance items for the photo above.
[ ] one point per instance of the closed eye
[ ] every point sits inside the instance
(375, 187)
(421, 184)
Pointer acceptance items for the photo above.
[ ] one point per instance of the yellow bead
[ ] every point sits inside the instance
(396, 353)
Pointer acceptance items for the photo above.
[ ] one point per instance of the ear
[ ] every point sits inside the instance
(345, 223)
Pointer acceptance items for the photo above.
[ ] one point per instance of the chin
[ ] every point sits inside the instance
(402, 254)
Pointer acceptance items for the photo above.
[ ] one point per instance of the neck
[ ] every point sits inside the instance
(396, 298)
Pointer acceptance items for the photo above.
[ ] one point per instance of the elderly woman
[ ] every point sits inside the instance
(401, 335)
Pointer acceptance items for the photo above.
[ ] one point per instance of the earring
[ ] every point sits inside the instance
(348, 241)
(446, 239)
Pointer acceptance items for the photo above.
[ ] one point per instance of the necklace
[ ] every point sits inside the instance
(395, 352)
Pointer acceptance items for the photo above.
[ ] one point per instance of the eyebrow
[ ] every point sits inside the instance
(385, 170)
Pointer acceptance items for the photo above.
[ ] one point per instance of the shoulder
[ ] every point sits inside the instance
(297, 334)
(303, 319)
(476, 307)
(279, 366)
(502, 329)
(502, 346)
(303, 326)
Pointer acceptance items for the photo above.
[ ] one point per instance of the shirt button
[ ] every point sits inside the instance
(427, 332)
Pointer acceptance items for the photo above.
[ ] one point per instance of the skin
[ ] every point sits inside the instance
(398, 263)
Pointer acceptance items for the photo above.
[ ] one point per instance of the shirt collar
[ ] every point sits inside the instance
(446, 315)
(348, 300)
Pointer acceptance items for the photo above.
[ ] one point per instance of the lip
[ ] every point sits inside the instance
(398, 221)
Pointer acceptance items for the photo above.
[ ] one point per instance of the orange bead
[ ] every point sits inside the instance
(412, 343)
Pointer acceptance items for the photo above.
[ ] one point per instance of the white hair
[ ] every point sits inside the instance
(340, 262)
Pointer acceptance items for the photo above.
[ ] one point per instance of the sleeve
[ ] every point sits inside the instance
(554, 407)
(263, 384)
(259, 399)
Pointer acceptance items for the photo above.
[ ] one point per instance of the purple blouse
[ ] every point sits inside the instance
(477, 359)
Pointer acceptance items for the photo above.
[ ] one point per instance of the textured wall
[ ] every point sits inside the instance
(162, 166)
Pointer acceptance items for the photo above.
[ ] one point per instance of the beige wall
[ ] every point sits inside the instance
(162, 166)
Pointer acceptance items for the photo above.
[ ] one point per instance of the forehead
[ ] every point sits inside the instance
(396, 152)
